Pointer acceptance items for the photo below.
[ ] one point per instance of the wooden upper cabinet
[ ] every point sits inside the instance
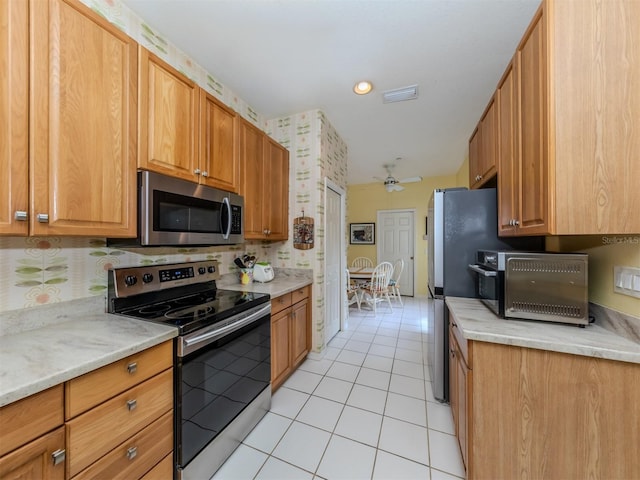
(252, 182)
(219, 152)
(533, 215)
(508, 151)
(474, 157)
(264, 164)
(14, 118)
(574, 169)
(276, 198)
(83, 123)
(483, 148)
(169, 109)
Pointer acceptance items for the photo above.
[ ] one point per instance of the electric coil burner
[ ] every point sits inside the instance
(222, 355)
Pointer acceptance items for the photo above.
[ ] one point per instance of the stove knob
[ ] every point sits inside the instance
(212, 269)
(130, 280)
(147, 277)
(202, 270)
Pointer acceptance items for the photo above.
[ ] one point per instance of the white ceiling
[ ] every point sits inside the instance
(288, 56)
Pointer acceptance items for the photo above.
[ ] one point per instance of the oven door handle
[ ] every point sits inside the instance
(482, 271)
(190, 344)
(227, 205)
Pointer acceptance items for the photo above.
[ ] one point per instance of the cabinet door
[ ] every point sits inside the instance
(488, 143)
(508, 161)
(461, 396)
(474, 158)
(453, 381)
(14, 117)
(218, 144)
(276, 194)
(169, 104)
(83, 123)
(34, 460)
(252, 181)
(299, 332)
(280, 359)
(534, 202)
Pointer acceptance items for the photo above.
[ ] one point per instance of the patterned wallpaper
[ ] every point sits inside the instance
(316, 151)
(40, 270)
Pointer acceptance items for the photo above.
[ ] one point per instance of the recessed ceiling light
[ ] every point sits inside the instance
(363, 87)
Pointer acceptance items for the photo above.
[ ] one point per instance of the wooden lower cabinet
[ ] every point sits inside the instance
(290, 333)
(533, 413)
(34, 460)
(32, 435)
(120, 417)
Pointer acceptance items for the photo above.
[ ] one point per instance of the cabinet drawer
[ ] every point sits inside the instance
(26, 419)
(95, 387)
(300, 294)
(162, 471)
(94, 433)
(280, 303)
(137, 455)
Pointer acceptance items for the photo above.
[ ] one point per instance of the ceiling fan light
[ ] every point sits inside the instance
(363, 87)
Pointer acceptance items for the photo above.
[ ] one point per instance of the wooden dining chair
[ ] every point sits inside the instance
(378, 288)
(362, 262)
(394, 283)
(353, 291)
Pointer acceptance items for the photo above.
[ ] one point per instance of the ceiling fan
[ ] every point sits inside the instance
(391, 184)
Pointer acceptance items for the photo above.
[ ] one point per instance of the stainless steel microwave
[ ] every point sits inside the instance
(534, 286)
(174, 212)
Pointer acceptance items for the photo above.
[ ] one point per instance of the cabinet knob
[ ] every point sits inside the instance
(21, 216)
(59, 456)
(43, 217)
(205, 174)
(131, 405)
(197, 171)
(132, 452)
(132, 367)
(516, 222)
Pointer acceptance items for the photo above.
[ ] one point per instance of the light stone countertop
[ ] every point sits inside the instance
(285, 280)
(613, 336)
(44, 346)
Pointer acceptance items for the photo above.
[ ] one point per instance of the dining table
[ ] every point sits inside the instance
(360, 274)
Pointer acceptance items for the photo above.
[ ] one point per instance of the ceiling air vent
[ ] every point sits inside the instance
(400, 94)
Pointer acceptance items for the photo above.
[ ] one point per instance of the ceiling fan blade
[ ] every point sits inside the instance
(379, 179)
(411, 180)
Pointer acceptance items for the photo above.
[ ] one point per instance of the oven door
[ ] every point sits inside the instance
(219, 377)
(490, 288)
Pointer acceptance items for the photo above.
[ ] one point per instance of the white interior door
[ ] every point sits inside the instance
(335, 258)
(396, 234)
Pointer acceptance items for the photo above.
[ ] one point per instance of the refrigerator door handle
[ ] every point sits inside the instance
(482, 271)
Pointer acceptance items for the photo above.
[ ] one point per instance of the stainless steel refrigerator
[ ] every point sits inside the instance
(459, 222)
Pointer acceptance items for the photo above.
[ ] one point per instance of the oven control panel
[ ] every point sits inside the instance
(128, 281)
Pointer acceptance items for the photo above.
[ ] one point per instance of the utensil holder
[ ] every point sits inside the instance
(246, 276)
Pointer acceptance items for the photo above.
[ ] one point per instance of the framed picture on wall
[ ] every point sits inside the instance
(362, 233)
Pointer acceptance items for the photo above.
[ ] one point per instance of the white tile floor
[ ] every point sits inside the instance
(364, 411)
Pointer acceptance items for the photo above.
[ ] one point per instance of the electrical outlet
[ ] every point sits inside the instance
(626, 280)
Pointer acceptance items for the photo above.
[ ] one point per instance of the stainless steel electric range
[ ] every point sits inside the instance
(222, 355)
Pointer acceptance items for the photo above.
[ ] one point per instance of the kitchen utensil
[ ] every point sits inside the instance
(239, 263)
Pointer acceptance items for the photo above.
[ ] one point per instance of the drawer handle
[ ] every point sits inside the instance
(132, 452)
(59, 456)
(132, 367)
(132, 404)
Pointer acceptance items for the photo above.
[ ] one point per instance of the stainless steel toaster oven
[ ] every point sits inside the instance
(535, 286)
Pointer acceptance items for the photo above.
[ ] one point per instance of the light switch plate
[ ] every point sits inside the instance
(626, 280)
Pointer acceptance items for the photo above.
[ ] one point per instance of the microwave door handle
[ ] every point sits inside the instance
(227, 232)
(482, 271)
